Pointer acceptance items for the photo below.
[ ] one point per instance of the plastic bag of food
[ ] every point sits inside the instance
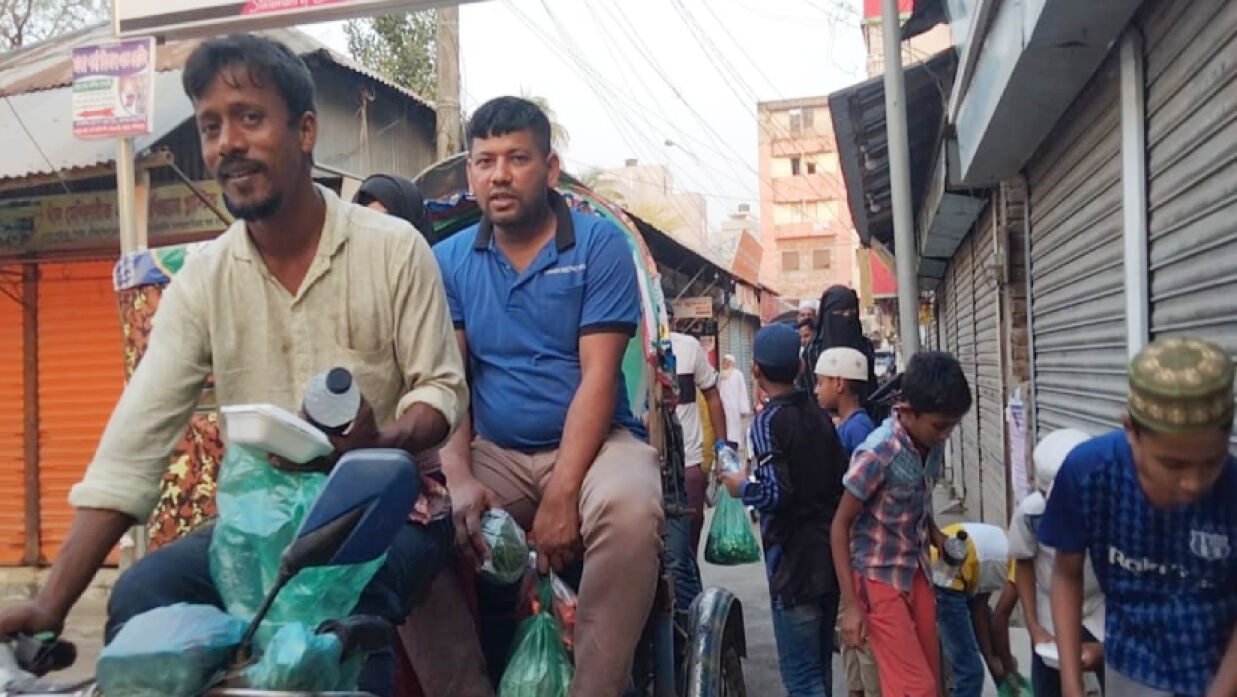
(563, 603)
(299, 660)
(173, 651)
(731, 540)
(508, 547)
(539, 665)
(260, 509)
(1015, 686)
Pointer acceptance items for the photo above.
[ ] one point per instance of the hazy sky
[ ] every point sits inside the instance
(625, 76)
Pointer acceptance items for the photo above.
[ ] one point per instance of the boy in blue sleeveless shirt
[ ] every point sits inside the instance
(1155, 506)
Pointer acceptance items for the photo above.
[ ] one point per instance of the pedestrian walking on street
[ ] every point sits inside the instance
(883, 527)
(736, 402)
(1153, 505)
(695, 373)
(799, 467)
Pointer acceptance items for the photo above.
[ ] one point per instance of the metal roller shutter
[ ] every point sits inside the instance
(1192, 169)
(967, 354)
(81, 375)
(1077, 283)
(987, 387)
(12, 418)
(949, 335)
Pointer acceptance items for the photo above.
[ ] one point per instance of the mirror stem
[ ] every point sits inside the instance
(244, 649)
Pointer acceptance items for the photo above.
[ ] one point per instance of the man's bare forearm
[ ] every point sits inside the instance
(1225, 683)
(93, 534)
(421, 428)
(589, 419)
(839, 547)
(1024, 581)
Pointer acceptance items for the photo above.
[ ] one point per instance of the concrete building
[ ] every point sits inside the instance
(648, 191)
(805, 228)
(724, 243)
(914, 50)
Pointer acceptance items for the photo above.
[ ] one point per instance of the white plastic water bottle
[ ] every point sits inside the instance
(945, 570)
(727, 458)
(332, 400)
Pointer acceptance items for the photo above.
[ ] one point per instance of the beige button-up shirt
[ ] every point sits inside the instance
(372, 301)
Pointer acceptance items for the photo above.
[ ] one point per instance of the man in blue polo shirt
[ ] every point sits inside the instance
(1153, 504)
(544, 302)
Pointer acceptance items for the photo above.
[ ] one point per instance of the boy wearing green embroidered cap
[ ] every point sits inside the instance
(1154, 506)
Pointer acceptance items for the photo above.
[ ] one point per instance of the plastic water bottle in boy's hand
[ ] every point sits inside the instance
(727, 459)
(945, 570)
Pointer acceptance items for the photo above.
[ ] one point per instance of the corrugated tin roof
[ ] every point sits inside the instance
(37, 130)
(36, 81)
(47, 66)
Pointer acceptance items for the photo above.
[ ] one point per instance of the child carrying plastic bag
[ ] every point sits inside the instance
(731, 541)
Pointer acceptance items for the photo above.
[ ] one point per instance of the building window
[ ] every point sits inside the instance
(794, 166)
(790, 261)
(796, 120)
(811, 168)
(807, 118)
(822, 258)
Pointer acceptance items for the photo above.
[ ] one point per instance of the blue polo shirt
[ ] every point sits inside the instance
(523, 329)
(1169, 576)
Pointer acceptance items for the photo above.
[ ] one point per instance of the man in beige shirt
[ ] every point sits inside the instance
(301, 283)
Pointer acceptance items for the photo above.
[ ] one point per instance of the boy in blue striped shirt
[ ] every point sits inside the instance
(799, 468)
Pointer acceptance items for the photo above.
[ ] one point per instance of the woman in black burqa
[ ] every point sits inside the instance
(837, 324)
(396, 196)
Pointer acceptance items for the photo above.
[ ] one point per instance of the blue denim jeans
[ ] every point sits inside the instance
(958, 644)
(804, 634)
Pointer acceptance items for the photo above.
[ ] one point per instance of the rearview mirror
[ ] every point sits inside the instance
(361, 508)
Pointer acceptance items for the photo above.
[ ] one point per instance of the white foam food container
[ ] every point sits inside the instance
(1048, 652)
(274, 430)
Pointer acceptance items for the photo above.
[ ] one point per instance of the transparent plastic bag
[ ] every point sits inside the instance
(260, 509)
(299, 660)
(1015, 686)
(731, 540)
(173, 651)
(539, 665)
(508, 547)
(563, 600)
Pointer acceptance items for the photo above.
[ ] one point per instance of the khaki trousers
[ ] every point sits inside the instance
(620, 520)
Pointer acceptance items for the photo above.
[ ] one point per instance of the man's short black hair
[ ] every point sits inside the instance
(934, 384)
(779, 375)
(503, 115)
(269, 62)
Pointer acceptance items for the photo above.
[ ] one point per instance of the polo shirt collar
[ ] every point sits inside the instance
(564, 236)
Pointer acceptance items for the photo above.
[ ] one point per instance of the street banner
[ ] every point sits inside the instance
(113, 89)
(206, 17)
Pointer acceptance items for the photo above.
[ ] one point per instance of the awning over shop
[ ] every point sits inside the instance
(859, 122)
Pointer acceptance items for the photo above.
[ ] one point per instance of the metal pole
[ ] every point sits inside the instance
(900, 183)
(448, 102)
(126, 195)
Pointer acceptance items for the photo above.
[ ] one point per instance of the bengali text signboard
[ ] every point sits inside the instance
(113, 89)
(204, 17)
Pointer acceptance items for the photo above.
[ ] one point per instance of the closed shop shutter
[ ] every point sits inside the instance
(1192, 169)
(1077, 283)
(81, 375)
(12, 418)
(987, 388)
(949, 337)
(967, 354)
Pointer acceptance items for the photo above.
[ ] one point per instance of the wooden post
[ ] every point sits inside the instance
(448, 101)
(30, 390)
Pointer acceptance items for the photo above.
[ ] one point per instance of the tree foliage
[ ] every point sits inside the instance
(402, 48)
(25, 22)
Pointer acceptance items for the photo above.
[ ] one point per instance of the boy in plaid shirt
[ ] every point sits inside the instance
(883, 527)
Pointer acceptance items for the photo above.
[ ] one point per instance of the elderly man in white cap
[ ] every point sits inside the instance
(807, 310)
(736, 403)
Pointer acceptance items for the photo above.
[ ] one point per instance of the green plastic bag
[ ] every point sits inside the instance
(539, 665)
(260, 509)
(299, 660)
(731, 541)
(173, 651)
(508, 548)
(1015, 686)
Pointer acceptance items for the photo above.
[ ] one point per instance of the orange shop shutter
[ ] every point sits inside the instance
(81, 375)
(12, 418)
